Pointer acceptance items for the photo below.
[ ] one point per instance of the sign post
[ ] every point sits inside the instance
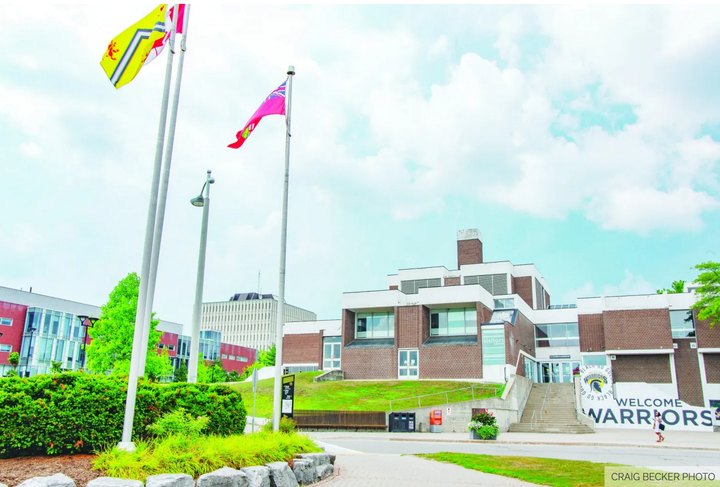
(288, 392)
(255, 374)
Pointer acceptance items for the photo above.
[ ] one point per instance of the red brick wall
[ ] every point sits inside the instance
(12, 335)
(168, 340)
(348, 326)
(408, 320)
(712, 367)
(706, 338)
(637, 329)
(483, 314)
(452, 281)
(393, 288)
(238, 351)
(527, 334)
(469, 252)
(370, 363)
(547, 299)
(304, 348)
(688, 373)
(592, 333)
(653, 369)
(523, 288)
(511, 346)
(539, 294)
(451, 362)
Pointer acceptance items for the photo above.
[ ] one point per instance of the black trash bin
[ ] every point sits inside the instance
(401, 422)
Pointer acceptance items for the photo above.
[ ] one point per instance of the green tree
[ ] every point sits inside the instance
(111, 347)
(678, 287)
(55, 367)
(217, 373)
(14, 359)
(203, 371)
(267, 358)
(181, 373)
(708, 304)
(233, 376)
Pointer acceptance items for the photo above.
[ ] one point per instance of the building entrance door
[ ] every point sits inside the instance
(557, 372)
(407, 364)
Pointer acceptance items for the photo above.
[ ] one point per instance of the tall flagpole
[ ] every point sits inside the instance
(160, 219)
(283, 244)
(126, 441)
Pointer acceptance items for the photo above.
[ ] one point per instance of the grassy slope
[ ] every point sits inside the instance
(543, 471)
(356, 395)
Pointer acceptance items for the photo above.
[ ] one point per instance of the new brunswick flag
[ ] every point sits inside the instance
(128, 51)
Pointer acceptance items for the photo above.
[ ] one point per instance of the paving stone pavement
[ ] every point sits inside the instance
(374, 470)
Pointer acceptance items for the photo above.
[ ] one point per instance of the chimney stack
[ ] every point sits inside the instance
(469, 247)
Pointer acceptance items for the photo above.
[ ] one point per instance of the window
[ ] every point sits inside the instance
(5, 348)
(331, 353)
(681, 324)
(232, 357)
(594, 360)
(223, 356)
(503, 316)
(493, 283)
(375, 325)
(6, 321)
(493, 345)
(557, 335)
(59, 351)
(171, 347)
(161, 346)
(504, 303)
(458, 321)
(243, 359)
(412, 287)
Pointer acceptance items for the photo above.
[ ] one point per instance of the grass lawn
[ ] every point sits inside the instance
(364, 395)
(543, 471)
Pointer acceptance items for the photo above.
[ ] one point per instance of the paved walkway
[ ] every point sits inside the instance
(354, 470)
(602, 437)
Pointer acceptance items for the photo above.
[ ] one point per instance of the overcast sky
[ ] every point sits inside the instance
(585, 140)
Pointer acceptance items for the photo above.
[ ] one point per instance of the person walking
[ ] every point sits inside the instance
(659, 426)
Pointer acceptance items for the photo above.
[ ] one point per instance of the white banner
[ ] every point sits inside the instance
(635, 410)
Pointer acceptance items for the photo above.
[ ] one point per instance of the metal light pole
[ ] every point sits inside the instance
(84, 319)
(204, 203)
(27, 360)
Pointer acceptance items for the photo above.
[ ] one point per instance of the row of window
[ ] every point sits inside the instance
(169, 347)
(225, 356)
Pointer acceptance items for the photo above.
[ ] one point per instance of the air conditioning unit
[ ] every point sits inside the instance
(693, 345)
(675, 345)
(612, 357)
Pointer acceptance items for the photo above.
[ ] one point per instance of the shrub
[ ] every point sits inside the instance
(180, 454)
(286, 426)
(179, 422)
(484, 424)
(78, 412)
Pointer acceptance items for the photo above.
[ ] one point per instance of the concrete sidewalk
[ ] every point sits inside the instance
(603, 437)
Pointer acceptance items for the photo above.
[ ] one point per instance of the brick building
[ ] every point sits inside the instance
(46, 329)
(487, 320)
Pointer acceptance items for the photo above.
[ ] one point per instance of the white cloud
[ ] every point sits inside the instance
(439, 49)
(31, 150)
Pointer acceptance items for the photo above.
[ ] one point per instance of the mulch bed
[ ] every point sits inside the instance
(14, 471)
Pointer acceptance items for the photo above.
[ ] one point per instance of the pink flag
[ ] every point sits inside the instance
(172, 22)
(274, 104)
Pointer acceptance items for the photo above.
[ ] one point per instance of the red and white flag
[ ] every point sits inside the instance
(170, 25)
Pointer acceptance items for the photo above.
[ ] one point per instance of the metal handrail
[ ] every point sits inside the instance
(532, 419)
(547, 391)
(447, 400)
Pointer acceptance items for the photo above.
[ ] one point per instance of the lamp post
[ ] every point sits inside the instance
(87, 322)
(204, 203)
(27, 360)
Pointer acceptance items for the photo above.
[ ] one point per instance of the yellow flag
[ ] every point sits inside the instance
(127, 52)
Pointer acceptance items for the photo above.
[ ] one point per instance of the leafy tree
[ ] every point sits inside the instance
(55, 367)
(111, 347)
(708, 306)
(678, 287)
(14, 359)
(233, 376)
(181, 373)
(267, 358)
(216, 371)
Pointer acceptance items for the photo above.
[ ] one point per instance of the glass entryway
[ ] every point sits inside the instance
(331, 353)
(407, 364)
(557, 372)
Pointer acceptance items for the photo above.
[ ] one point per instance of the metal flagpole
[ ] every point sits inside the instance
(126, 442)
(283, 245)
(162, 200)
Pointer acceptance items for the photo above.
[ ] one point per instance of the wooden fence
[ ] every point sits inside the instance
(315, 419)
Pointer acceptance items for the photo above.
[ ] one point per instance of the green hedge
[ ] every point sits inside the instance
(78, 412)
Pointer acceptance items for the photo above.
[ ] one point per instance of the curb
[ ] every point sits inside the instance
(556, 443)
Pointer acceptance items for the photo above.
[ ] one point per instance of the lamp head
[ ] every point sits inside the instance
(92, 321)
(83, 318)
(198, 201)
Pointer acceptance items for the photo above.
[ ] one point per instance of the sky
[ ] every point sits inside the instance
(583, 139)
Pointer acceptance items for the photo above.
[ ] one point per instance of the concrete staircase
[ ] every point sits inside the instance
(558, 415)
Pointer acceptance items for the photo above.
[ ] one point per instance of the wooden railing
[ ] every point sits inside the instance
(312, 419)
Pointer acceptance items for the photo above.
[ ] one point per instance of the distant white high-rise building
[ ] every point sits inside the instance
(249, 319)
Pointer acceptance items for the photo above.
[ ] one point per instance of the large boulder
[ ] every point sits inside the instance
(113, 482)
(170, 480)
(225, 477)
(257, 476)
(324, 471)
(57, 480)
(281, 475)
(305, 471)
(332, 458)
(317, 458)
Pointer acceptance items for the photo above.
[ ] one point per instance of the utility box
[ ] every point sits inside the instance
(401, 422)
(436, 421)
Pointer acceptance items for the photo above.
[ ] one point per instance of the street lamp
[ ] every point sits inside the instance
(31, 330)
(204, 203)
(87, 322)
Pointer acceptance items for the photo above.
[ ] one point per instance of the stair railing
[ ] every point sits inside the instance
(532, 420)
(542, 409)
